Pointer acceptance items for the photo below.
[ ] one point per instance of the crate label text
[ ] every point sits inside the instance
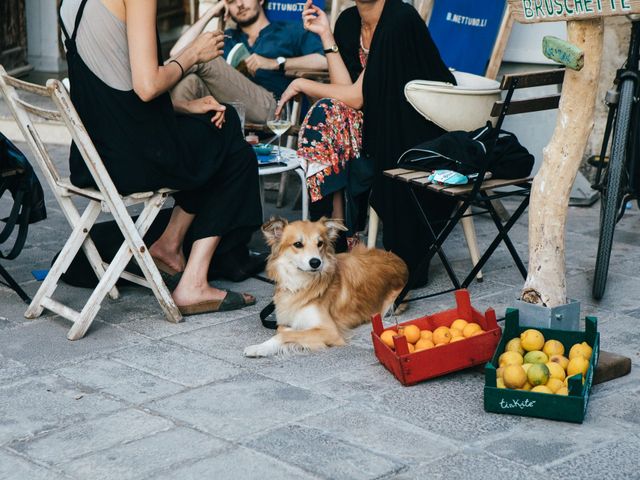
(513, 404)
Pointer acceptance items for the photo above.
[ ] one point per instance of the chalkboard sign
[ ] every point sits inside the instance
(288, 10)
(534, 11)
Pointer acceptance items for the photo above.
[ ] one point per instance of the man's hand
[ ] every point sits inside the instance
(205, 105)
(255, 62)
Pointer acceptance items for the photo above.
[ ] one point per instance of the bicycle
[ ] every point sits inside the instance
(618, 180)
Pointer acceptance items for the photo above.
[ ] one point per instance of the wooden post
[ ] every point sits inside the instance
(546, 282)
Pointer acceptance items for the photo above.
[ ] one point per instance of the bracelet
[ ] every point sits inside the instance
(178, 63)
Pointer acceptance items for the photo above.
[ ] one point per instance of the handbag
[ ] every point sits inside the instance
(17, 177)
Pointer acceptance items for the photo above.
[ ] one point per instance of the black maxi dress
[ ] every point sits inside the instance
(146, 146)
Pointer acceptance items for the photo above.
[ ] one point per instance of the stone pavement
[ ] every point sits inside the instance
(140, 398)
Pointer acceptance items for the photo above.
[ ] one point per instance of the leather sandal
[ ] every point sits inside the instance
(232, 301)
(164, 268)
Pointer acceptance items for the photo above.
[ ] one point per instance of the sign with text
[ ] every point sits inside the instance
(288, 10)
(535, 11)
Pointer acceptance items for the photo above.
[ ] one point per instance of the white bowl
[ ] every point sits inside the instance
(465, 106)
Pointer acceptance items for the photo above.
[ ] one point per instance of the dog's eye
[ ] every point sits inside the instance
(298, 245)
(320, 243)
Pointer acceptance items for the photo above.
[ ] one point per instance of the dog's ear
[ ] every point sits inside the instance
(334, 227)
(272, 230)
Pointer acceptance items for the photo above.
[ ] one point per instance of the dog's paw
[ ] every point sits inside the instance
(254, 351)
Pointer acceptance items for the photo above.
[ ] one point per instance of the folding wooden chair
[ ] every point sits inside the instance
(103, 198)
(483, 191)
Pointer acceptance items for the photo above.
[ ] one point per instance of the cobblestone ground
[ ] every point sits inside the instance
(139, 397)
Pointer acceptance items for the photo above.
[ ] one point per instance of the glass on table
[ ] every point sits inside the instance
(280, 124)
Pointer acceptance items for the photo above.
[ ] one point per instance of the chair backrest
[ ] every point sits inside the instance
(66, 113)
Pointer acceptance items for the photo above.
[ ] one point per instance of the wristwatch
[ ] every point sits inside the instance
(281, 61)
(332, 49)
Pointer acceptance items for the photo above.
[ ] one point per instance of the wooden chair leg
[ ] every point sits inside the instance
(469, 230)
(372, 234)
(68, 252)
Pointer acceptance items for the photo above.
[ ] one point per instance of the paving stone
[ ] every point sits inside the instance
(129, 384)
(383, 434)
(64, 445)
(242, 405)
(44, 403)
(450, 406)
(144, 457)
(622, 406)
(473, 465)
(43, 344)
(15, 468)
(241, 463)
(12, 370)
(176, 364)
(616, 460)
(323, 454)
(621, 293)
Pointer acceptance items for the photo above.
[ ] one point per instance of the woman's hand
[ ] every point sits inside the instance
(315, 20)
(208, 45)
(205, 105)
(292, 90)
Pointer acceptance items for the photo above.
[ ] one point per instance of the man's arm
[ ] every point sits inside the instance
(196, 29)
(313, 61)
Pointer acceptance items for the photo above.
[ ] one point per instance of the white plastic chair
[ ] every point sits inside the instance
(104, 198)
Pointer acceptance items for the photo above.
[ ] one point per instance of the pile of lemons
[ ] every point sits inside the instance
(419, 340)
(531, 363)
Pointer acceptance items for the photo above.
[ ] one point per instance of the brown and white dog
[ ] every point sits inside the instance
(319, 296)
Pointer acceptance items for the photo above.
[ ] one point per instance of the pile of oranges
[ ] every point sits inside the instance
(425, 339)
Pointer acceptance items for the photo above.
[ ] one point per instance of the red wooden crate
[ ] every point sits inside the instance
(411, 368)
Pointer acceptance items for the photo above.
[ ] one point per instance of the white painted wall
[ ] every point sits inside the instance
(42, 36)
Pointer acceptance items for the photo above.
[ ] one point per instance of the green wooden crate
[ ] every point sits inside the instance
(570, 408)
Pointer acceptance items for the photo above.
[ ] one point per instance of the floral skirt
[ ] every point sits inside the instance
(330, 138)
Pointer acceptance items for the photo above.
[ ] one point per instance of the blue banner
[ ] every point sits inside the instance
(288, 10)
(465, 32)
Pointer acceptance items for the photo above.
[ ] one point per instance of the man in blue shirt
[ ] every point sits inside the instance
(272, 47)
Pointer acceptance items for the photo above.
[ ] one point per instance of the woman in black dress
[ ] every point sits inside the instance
(119, 87)
(398, 49)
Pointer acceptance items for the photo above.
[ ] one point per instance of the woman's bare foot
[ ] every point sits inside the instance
(169, 255)
(186, 294)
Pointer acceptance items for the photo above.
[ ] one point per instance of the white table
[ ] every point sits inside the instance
(290, 158)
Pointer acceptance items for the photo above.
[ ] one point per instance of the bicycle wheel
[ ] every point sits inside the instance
(612, 196)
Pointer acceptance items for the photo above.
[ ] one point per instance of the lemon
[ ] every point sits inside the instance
(556, 371)
(526, 387)
(553, 347)
(470, 329)
(526, 366)
(387, 338)
(580, 350)
(424, 344)
(441, 336)
(499, 372)
(531, 340)
(541, 389)
(500, 383)
(578, 364)
(514, 376)
(538, 374)
(510, 358)
(562, 391)
(554, 384)
(426, 334)
(513, 345)
(560, 360)
(459, 324)
(536, 356)
(412, 332)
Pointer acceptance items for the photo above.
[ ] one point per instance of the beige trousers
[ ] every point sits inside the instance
(226, 84)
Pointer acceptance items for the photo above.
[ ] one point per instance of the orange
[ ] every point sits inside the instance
(441, 335)
(411, 347)
(479, 332)
(455, 332)
(424, 344)
(470, 329)
(387, 338)
(412, 332)
(456, 339)
(426, 334)
(459, 324)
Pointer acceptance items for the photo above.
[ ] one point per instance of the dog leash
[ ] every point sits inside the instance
(264, 314)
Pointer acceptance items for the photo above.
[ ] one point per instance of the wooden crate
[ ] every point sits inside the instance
(570, 408)
(411, 368)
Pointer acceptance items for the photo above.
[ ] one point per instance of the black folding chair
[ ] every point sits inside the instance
(482, 191)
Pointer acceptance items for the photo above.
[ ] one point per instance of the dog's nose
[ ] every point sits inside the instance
(315, 262)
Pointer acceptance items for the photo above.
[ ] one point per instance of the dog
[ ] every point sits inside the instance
(320, 295)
